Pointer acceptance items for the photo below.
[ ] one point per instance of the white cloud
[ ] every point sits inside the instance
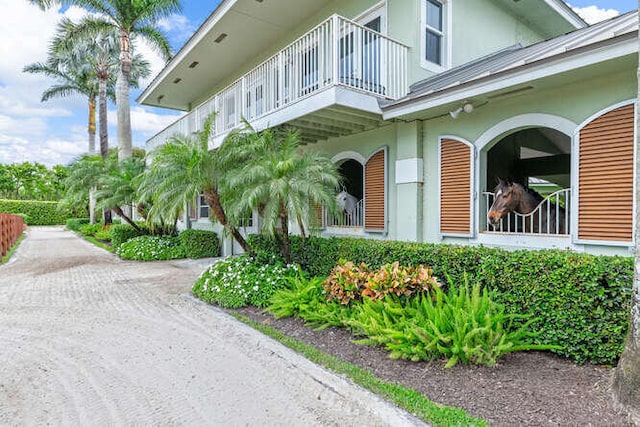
(145, 121)
(593, 14)
(178, 27)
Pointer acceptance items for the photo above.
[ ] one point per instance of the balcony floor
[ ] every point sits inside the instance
(332, 112)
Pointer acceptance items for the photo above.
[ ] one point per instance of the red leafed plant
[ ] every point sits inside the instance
(349, 282)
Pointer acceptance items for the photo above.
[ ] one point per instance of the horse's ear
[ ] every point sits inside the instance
(499, 180)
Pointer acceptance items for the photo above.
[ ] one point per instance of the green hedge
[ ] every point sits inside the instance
(36, 212)
(74, 224)
(121, 233)
(583, 300)
(200, 243)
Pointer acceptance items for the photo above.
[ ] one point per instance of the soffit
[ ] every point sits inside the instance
(551, 17)
(252, 27)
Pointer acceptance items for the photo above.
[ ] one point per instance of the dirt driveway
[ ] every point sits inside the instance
(87, 339)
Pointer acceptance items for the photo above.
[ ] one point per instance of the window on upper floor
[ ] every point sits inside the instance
(435, 44)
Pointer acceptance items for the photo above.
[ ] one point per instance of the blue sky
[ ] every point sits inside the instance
(55, 132)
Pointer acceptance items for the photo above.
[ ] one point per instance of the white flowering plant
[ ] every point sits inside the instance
(151, 248)
(241, 281)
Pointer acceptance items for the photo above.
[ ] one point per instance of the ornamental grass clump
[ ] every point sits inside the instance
(240, 281)
(349, 282)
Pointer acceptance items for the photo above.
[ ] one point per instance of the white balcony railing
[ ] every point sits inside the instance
(338, 52)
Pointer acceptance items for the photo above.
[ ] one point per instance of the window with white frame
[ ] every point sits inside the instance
(435, 37)
(203, 207)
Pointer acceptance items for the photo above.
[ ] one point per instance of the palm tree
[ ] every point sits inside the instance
(273, 176)
(626, 383)
(129, 18)
(70, 82)
(116, 188)
(99, 53)
(112, 179)
(180, 170)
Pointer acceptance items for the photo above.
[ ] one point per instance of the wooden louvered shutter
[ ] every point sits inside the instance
(374, 193)
(192, 210)
(455, 187)
(605, 180)
(316, 214)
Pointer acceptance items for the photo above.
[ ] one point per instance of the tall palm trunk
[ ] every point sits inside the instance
(626, 381)
(125, 149)
(102, 111)
(102, 123)
(92, 150)
(212, 198)
(284, 224)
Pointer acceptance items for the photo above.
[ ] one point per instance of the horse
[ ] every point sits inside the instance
(347, 204)
(513, 197)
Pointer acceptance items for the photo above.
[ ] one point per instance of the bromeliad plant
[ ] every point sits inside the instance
(349, 282)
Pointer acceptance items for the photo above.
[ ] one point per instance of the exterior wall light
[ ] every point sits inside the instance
(466, 106)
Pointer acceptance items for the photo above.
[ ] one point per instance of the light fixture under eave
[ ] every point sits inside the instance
(177, 80)
(466, 106)
(160, 98)
(194, 64)
(221, 37)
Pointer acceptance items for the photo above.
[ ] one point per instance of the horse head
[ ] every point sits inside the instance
(504, 201)
(346, 201)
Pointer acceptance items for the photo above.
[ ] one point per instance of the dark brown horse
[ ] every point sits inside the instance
(534, 214)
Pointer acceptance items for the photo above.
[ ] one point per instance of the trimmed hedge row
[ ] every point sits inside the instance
(582, 300)
(36, 212)
(200, 243)
(121, 233)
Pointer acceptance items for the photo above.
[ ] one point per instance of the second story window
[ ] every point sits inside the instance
(435, 23)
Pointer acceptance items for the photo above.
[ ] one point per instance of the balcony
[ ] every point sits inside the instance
(313, 72)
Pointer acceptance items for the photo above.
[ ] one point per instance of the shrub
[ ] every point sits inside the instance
(104, 234)
(306, 299)
(151, 248)
(36, 212)
(461, 325)
(90, 229)
(200, 243)
(348, 282)
(121, 233)
(74, 224)
(240, 281)
(583, 301)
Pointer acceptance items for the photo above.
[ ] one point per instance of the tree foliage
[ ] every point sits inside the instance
(32, 181)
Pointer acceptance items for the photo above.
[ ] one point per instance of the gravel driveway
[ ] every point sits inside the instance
(88, 339)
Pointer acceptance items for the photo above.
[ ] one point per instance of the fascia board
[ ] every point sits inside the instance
(534, 71)
(567, 13)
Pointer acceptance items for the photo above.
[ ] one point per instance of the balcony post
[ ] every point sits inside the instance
(335, 57)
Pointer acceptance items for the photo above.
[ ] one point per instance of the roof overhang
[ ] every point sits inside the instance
(553, 17)
(251, 27)
(602, 57)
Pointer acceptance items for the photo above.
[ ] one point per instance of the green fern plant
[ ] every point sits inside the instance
(306, 298)
(463, 325)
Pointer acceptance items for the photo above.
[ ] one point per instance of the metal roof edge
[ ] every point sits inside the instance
(399, 108)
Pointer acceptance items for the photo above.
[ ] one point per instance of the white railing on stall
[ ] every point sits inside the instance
(337, 52)
(355, 218)
(551, 216)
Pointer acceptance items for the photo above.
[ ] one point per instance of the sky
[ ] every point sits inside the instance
(55, 132)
